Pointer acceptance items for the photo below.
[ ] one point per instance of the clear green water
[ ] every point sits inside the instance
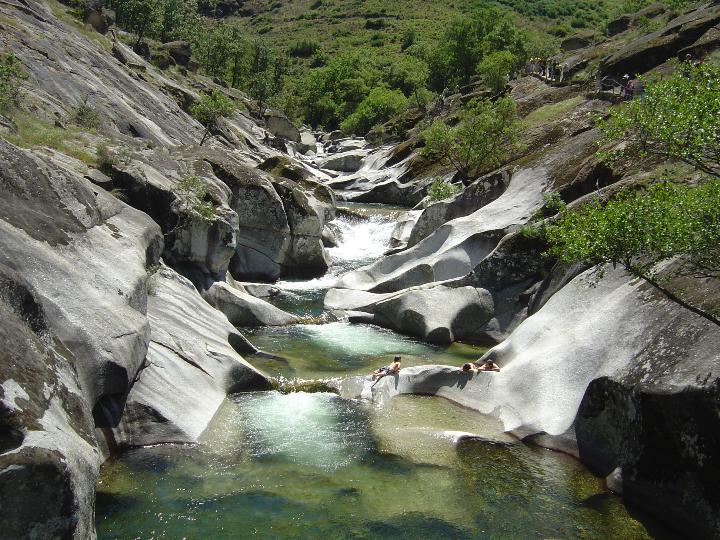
(316, 466)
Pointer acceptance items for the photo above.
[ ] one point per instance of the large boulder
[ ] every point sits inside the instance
(180, 51)
(348, 162)
(193, 362)
(244, 309)
(279, 125)
(437, 315)
(482, 191)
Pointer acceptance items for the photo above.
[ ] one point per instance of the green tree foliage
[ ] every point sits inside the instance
(466, 41)
(380, 105)
(677, 118)
(495, 68)
(440, 190)
(638, 229)
(11, 74)
(303, 48)
(138, 16)
(209, 109)
(483, 138)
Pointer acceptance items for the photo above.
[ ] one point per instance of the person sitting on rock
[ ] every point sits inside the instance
(379, 373)
(488, 365)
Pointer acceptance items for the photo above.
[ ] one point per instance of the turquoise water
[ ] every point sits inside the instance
(316, 466)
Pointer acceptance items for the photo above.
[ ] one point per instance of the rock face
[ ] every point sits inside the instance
(257, 225)
(82, 340)
(349, 161)
(193, 362)
(437, 315)
(74, 261)
(651, 50)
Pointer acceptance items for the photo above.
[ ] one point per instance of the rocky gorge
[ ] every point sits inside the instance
(129, 282)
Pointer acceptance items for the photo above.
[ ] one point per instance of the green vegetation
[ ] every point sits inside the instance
(31, 132)
(11, 74)
(209, 109)
(495, 68)
(486, 135)
(552, 112)
(638, 229)
(677, 118)
(85, 115)
(440, 190)
(193, 197)
(380, 105)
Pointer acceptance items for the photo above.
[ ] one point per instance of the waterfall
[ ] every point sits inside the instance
(362, 239)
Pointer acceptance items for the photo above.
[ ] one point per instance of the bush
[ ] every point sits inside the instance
(380, 105)
(11, 73)
(440, 190)
(485, 136)
(210, 108)
(304, 48)
(676, 118)
(85, 115)
(193, 197)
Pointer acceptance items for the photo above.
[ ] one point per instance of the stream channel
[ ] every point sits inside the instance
(313, 465)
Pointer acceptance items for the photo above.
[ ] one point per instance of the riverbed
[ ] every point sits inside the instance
(313, 465)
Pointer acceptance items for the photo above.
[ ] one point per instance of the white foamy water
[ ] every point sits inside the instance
(360, 242)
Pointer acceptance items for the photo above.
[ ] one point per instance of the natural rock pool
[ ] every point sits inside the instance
(314, 465)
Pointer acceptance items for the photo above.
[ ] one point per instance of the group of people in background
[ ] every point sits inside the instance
(547, 69)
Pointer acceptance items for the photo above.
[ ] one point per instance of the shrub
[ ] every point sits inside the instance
(441, 189)
(304, 48)
(193, 197)
(210, 108)
(11, 73)
(85, 115)
(485, 136)
(380, 105)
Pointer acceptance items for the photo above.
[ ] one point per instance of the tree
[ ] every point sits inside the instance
(410, 75)
(137, 16)
(209, 109)
(380, 105)
(11, 73)
(677, 118)
(495, 68)
(485, 136)
(638, 229)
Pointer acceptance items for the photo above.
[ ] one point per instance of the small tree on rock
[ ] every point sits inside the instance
(209, 109)
(11, 73)
(483, 138)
